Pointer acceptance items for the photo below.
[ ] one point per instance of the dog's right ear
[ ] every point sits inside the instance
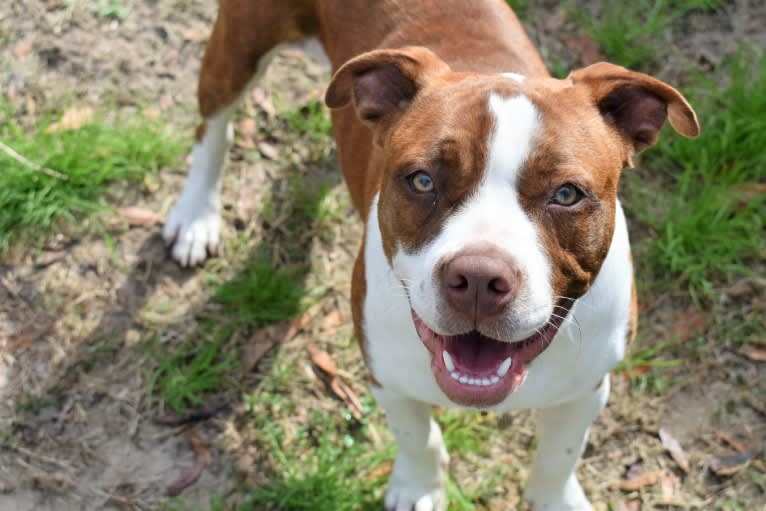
(382, 83)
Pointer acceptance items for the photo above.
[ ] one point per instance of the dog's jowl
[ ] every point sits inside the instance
(495, 268)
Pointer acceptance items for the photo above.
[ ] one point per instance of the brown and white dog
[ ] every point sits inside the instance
(495, 268)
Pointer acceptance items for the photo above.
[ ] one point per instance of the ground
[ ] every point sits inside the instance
(105, 343)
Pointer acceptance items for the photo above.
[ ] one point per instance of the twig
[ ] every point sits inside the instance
(32, 165)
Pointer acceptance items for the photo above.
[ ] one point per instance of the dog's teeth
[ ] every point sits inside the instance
(494, 379)
(448, 361)
(455, 375)
(463, 379)
(485, 381)
(503, 369)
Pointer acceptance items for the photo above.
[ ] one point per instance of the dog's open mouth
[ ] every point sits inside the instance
(475, 370)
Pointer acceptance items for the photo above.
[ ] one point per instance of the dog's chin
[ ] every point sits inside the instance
(479, 371)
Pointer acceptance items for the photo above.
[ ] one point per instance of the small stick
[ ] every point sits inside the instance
(32, 165)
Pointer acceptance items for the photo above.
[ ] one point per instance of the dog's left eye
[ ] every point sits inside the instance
(421, 182)
(567, 195)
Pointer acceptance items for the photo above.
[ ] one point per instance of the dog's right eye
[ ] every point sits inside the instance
(421, 182)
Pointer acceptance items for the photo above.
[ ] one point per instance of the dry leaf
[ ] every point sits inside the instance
(151, 113)
(634, 470)
(556, 21)
(73, 119)
(135, 215)
(323, 361)
(261, 99)
(645, 479)
(753, 353)
(166, 101)
(731, 441)
(730, 465)
(190, 475)
(261, 342)
(268, 151)
(196, 35)
(197, 414)
(247, 133)
(586, 47)
(24, 47)
(668, 483)
(687, 325)
(674, 448)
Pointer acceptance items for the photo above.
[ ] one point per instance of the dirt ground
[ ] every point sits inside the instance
(73, 372)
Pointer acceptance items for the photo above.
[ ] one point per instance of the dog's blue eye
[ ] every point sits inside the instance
(421, 182)
(567, 195)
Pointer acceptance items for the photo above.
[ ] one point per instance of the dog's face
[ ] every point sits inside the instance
(497, 204)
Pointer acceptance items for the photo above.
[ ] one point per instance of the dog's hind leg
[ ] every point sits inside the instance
(243, 40)
(562, 434)
(419, 474)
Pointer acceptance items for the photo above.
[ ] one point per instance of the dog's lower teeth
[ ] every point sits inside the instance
(463, 379)
(455, 375)
(503, 369)
(494, 379)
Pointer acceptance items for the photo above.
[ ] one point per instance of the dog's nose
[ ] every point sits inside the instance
(479, 284)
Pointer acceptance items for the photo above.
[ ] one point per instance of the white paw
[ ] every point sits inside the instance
(551, 497)
(193, 228)
(406, 496)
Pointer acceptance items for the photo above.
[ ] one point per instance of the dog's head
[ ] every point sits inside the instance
(497, 202)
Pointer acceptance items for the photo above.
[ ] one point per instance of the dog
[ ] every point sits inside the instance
(495, 270)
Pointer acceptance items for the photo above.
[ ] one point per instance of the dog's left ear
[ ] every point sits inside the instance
(383, 83)
(635, 103)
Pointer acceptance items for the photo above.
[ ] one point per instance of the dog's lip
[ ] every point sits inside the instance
(487, 361)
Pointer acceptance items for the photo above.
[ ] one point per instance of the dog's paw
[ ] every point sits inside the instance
(193, 228)
(552, 498)
(406, 496)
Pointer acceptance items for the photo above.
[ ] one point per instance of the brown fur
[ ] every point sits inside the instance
(442, 124)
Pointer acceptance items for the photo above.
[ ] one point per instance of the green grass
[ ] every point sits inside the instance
(90, 159)
(711, 226)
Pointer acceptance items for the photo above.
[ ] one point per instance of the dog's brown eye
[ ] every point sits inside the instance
(421, 182)
(567, 195)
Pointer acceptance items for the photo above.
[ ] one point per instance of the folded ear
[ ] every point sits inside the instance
(635, 103)
(383, 83)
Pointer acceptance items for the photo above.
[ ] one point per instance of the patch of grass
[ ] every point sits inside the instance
(262, 294)
(713, 223)
(90, 159)
(110, 9)
(311, 120)
(185, 373)
(628, 32)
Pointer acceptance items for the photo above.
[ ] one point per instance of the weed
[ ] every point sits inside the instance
(111, 9)
(89, 159)
(311, 120)
(187, 372)
(712, 225)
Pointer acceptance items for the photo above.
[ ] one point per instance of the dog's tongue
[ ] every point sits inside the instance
(476, 354)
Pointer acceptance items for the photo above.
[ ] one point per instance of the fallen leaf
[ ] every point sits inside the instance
(261, 342)
(196, 35)
(586, 47)
(323, 361)
(151, 113)
(668, 482)
(731, 441)
(46, 259)
(135, 215)
(197, 414)
(674, 448)
(24, 47)
(634, 470)
(687, 325)
(645, 479)
(247, 133)
(633, 505)
(73, 119)
(268, 151)
(190, 475)
(556, 20)
(166, 101)
(753, 353)
(263, 100)
(381, 471)
(730, 465)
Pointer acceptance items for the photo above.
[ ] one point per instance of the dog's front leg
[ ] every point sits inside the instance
(418, 478)
(562, 434)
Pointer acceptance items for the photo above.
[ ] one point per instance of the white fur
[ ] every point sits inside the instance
(519, 78)
(562, 380)
(194, 224)
(493, 214)
(419, 473)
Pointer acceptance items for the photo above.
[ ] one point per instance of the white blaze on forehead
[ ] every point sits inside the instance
(491, 214)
